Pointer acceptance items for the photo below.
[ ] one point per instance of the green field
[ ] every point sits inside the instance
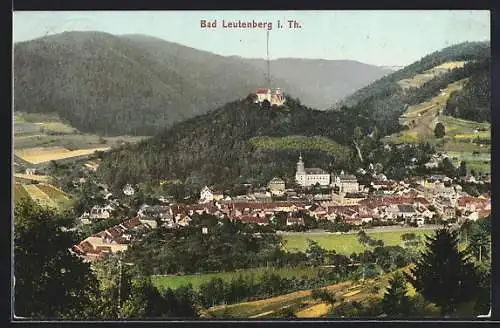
(302, 142)
(71, 141)
(45, 194)
(67, 136)
(197, 279)
(20, 192)
(421, 120)
(348, 243)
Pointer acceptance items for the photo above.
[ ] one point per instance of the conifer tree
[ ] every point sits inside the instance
(396, 302)
(443, 274)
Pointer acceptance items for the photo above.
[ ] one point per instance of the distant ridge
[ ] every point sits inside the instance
(137, 84)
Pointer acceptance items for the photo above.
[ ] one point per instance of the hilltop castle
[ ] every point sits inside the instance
(275, 98)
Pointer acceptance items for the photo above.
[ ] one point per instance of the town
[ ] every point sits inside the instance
(324, 197)
(209, 166)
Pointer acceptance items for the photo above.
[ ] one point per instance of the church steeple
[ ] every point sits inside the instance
(300, 165)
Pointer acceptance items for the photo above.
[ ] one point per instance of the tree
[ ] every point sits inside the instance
(480, 239)
(443, 274)
(315, 253)
(50, 281)
(462, 169)
(363, 238)
(144, 301)
(439, 130)
(396, 302)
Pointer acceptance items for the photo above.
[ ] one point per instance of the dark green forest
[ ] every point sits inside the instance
(473, 102)
(214, 147)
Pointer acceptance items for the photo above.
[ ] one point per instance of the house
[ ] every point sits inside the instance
(100, 213)
(249, 219)
(30, 171)
(111, 240)
(184, 221)
(276, 186)
(449, 212)
(469, 179)
(128, 190)
(294, 221)
(365, 218)
(407, 211)
(307, 177)
(473, 216)
(380, 177)
(155, 211)
(208, 195)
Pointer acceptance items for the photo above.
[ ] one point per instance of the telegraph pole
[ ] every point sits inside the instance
(119, 308)
(268, 64)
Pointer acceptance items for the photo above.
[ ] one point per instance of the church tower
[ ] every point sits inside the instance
(300, 166)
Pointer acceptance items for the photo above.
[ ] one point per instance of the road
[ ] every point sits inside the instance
(369, 230)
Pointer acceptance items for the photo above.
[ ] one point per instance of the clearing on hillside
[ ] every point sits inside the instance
(419, 79)
(41, 155)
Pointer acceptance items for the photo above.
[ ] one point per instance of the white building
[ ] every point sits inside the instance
(275, 98)
(128, 190)
(276, 186)
(345, 182)
(207, 195)
(311, 176)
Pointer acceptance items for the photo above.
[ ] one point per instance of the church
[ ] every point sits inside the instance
(307, 177)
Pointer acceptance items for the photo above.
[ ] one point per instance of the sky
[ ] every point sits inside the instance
(384, 38)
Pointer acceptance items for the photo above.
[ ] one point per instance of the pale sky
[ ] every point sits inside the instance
(384, 37)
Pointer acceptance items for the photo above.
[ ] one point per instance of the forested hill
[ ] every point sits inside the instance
(387, 98)
(137, 85)
(239, 142)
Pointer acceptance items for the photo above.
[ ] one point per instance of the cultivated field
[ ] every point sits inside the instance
(41, 154)
(47, 130)
(419, 79)
(45, 194)
(197, 279)
(32, 177)
(460, 135)
(348, 243)
(302, 303)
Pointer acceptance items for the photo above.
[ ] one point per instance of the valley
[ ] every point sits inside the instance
(192, 198)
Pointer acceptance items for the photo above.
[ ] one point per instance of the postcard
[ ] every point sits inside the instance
(251, 165)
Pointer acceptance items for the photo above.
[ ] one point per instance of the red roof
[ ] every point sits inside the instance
(178, 209)
(103, 248)
(85, 246)
(129, 224)
(114, 231)
(484, 213)
(342, 209)
(464, 200)
(263, 90)
(253, 219)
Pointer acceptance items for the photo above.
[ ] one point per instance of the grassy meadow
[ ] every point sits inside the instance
(47, 130)
(197, 279)
(348, 243)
